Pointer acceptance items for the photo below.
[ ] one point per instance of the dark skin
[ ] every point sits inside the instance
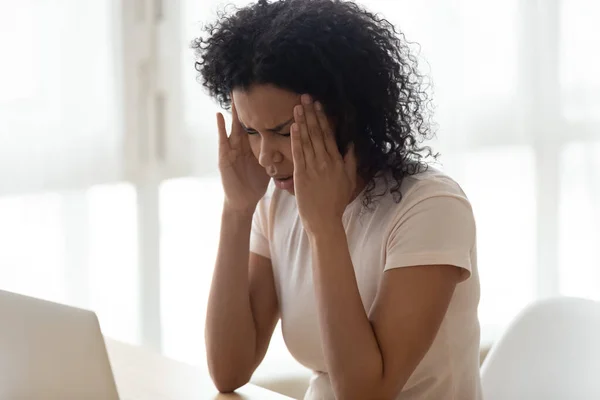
(368, 355)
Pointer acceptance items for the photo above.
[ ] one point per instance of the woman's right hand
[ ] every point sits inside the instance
(244, 180)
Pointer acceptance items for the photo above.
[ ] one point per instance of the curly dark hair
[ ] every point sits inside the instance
(354, 62)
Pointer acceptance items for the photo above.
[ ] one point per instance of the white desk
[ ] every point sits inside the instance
(143, 375)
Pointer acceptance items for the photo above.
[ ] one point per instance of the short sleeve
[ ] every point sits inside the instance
(259, 236)
(436, 230)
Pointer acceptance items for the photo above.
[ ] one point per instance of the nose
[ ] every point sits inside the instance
(270, 154)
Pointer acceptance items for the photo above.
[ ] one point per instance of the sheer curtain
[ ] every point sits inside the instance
(67, 218)
(59, 101)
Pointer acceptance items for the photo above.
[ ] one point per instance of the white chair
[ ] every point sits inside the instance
(551, 351)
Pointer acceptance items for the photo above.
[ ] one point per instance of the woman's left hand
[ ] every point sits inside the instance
(324, 181)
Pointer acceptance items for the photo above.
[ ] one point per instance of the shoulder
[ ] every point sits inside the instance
(430, 183)
(430, 186)
(433, 205)
(433, 224)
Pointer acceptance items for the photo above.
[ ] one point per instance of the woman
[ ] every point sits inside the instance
(366, 254)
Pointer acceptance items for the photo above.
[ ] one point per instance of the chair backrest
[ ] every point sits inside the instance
(550, 351)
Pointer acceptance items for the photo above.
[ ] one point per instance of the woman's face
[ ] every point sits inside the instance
(266, 114)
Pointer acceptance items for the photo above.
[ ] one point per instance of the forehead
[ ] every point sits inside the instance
(264, 106)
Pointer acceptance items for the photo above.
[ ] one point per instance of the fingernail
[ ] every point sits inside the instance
(318, 106)
(306, 99)
(299, 110)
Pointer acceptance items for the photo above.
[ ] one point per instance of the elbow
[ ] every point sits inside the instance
(228, 386)
(229, 371)
(229, 383)
(227, 378)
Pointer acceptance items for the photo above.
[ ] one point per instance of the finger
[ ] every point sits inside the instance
(307, 147)
(314, 129)
(237, 132)
(328, 134)
(223, 140)
(244, 142)
(297, 149)
(235, 121)
(351, 163)
(240, 138)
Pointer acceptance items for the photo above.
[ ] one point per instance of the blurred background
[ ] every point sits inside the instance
(110, 197)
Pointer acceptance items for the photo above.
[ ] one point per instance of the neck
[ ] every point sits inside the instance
(360, 185)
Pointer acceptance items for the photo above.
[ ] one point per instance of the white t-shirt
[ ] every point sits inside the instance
(433, 224)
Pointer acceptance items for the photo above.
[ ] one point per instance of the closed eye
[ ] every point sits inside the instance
(252, 132)
(274, 130)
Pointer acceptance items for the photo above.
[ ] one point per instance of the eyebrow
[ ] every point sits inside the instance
(274, 130)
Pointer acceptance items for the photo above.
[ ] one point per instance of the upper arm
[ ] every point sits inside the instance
(406, 315)
(438, 230)
(263, 301)
(427, 254)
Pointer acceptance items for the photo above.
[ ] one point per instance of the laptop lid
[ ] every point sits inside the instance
(51, 351)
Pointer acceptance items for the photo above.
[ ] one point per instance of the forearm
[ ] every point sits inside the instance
(352, 354)
(230, 328)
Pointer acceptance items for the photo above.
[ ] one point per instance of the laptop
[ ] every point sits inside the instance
(51, 351)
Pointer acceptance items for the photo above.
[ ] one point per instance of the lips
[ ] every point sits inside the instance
(284, 182)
